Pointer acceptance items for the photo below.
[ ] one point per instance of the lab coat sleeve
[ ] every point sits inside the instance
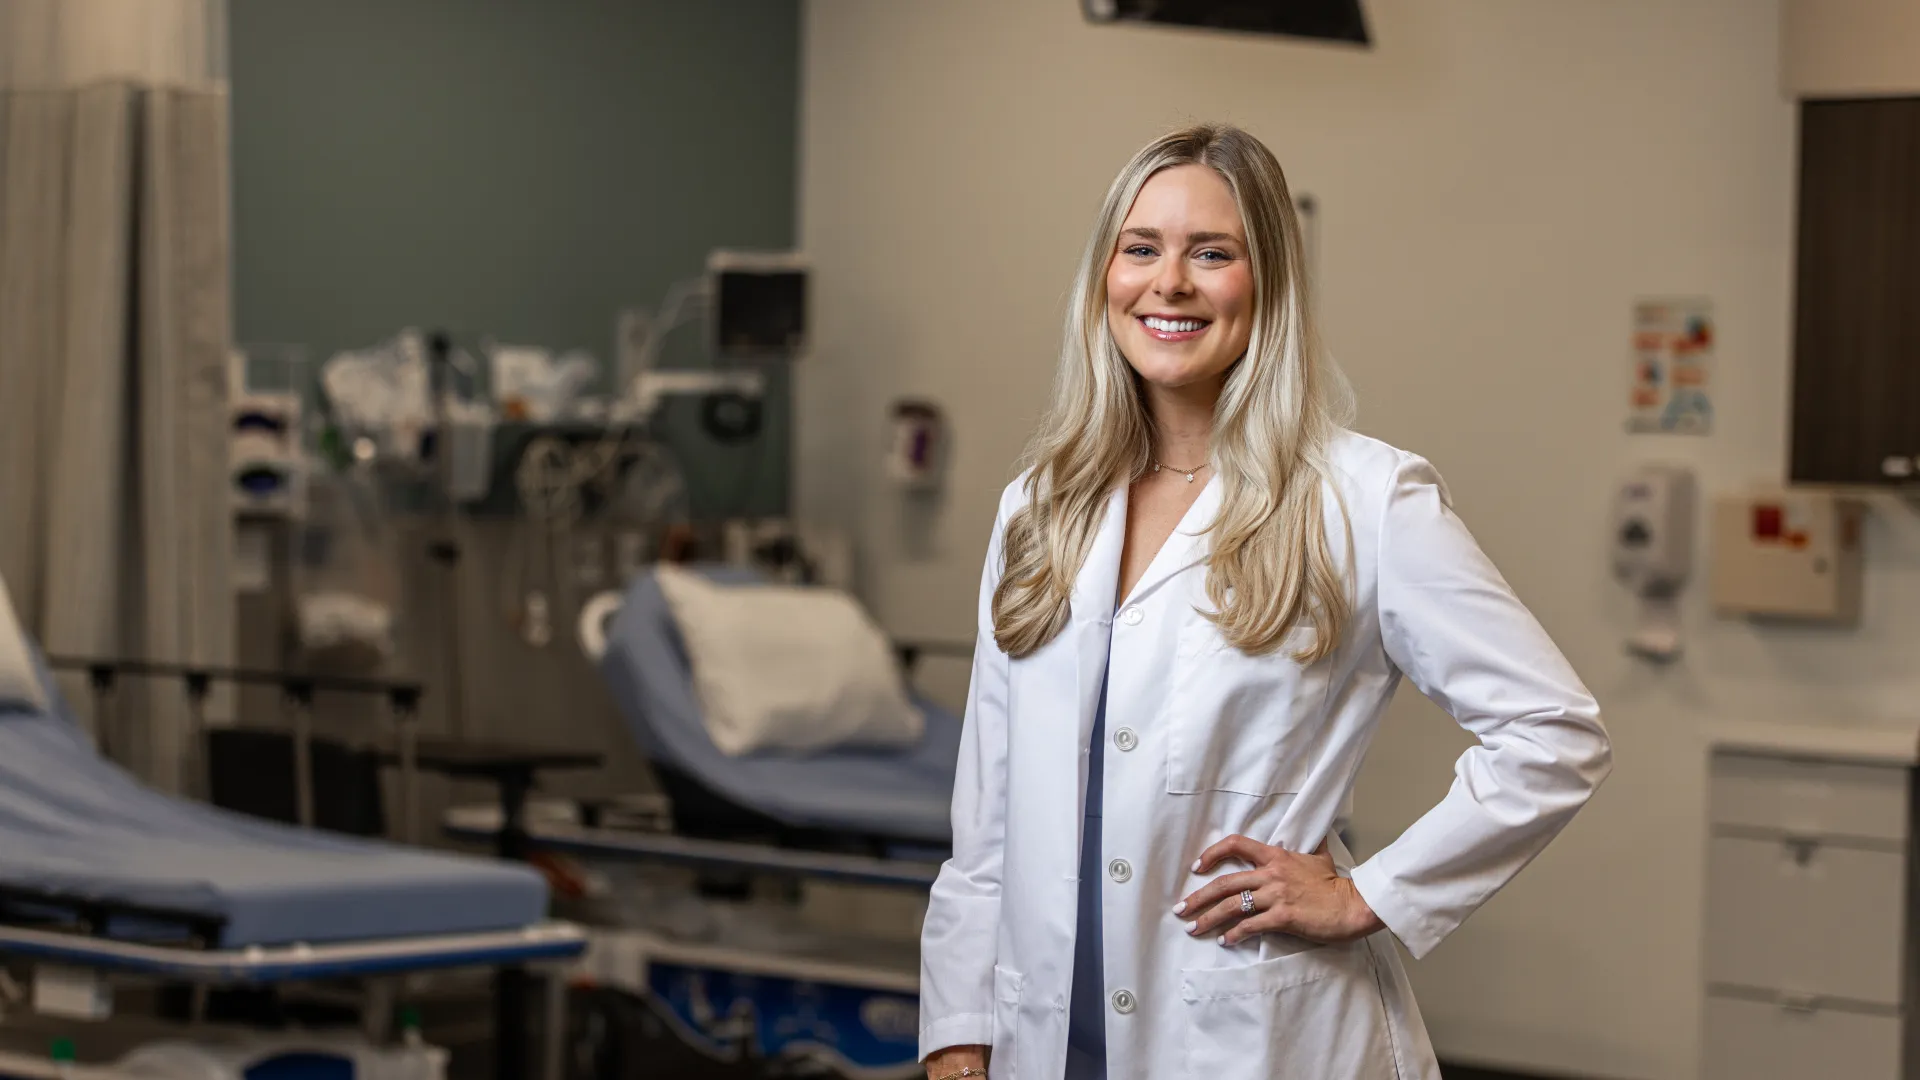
(962, 925)
(1452, 624)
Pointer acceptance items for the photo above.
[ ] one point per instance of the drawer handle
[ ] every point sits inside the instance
(1800, 1003)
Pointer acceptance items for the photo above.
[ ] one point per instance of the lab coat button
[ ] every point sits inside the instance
(1123, 1001)
(1125, 739)
(1119, 871)
(1132, 616)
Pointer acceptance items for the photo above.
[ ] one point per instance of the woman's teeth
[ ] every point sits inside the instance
(1172, 326)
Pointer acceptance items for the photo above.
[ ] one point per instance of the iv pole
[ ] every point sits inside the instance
(444, 547)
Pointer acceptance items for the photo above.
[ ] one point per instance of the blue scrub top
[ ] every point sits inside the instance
(1086, 1011)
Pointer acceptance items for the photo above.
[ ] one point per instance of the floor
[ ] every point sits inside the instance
(1468, 1072)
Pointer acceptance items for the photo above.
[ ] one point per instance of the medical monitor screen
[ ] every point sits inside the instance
(1326, 20)
(760, 312)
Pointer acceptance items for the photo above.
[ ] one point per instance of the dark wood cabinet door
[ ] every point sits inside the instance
(1856, 347)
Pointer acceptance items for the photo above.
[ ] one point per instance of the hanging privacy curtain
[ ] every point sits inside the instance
(115, 329)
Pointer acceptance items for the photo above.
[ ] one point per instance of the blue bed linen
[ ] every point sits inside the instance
(905, 795)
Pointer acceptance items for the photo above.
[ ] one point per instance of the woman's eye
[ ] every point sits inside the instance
(1140, 251)
(1213, 256)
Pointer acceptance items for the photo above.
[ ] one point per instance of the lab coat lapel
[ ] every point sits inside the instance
(1190, 542)
(1099, 577)
(1093, 600)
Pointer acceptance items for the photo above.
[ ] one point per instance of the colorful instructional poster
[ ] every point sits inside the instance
(1672, 357)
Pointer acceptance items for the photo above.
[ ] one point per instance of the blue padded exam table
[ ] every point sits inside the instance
(905, 795)
(898, 802)
(99, 871)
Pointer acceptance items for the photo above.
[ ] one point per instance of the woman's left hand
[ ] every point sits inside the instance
(1294, 894)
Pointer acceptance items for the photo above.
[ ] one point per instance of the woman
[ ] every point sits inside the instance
(1198, 599)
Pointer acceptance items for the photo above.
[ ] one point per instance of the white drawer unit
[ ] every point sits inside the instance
(1810, 798)
(1749, 1039)
(1807, 916)
(1810, 927)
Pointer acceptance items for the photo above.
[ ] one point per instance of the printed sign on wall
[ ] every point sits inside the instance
(1672, 357)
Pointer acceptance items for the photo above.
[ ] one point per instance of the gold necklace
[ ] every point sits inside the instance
(1157, 467)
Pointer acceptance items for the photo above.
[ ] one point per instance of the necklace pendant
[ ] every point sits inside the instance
(1189, 478)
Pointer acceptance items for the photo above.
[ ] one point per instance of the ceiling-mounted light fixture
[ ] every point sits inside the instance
(1323, 20)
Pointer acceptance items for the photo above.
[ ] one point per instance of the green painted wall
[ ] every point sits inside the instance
(520, 169)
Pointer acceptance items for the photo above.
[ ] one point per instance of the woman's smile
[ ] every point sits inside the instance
(1173, 328)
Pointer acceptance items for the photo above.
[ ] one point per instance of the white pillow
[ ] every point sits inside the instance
(19, 684)
(789, 668)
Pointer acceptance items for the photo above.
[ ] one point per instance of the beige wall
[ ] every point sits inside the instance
(1499, 179)
(1850, 48)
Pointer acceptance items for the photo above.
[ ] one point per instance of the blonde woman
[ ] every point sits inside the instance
(1198, 599)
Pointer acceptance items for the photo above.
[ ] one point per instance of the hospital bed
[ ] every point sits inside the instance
(101, 876)
(861, 817)
(868, 816)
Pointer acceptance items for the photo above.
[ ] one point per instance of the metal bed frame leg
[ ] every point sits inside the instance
(199, 773)
(406, 722)
(554, 1060)
(101, 677)
(299, 701)
(510, 982)
(376, 1015)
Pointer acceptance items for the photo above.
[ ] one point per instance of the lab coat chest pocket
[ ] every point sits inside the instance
(1313, 1015)
(1238, 722)
(1003, 1060)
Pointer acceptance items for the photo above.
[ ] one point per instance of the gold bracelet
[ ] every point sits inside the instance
(964, 1073)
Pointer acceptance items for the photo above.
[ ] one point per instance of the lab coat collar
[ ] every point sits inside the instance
(1190, 542)
(1095, 589)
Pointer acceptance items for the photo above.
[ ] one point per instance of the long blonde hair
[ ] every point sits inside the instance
(1284, 401)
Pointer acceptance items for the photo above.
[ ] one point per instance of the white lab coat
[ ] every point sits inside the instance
(1205, 742)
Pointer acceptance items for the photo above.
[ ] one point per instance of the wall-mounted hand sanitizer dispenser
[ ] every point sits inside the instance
(1653, 529)
(1652, 551)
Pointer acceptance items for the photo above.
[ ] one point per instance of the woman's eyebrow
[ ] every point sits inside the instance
(1146, 233)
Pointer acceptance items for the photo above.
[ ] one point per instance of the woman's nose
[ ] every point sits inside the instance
(1172, 279)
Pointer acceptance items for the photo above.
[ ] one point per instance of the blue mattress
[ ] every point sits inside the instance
(905, 796)
(74, 824)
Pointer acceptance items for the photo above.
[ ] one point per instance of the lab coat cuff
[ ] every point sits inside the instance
(1416, 931)
(963, 1029)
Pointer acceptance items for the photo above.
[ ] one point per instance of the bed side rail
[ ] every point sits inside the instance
(297, 691)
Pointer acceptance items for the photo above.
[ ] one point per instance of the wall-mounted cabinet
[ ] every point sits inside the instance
(1856, 339)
